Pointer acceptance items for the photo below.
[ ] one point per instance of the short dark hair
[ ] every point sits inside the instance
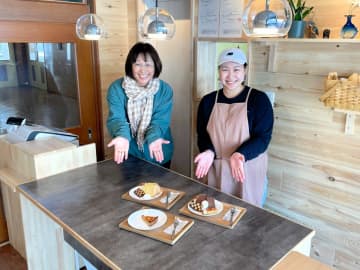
(142, 48)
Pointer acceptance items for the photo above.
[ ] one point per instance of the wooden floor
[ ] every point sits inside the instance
(10, 259)
(38, 107)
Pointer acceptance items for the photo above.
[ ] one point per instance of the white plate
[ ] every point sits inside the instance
(137, 222)
(146, 197)
(219, 207)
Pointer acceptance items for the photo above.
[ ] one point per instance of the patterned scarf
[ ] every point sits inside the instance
(140, 106)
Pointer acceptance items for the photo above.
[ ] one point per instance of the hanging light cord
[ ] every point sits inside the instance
(157, 13)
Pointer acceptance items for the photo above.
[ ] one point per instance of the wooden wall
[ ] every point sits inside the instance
(120, 22)
(314, 172)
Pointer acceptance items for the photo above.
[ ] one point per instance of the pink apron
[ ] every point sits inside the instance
(228, 128)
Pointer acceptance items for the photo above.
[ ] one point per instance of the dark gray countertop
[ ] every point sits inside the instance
(87, 203)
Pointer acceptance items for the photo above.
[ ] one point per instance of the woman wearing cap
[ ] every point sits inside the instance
(140, 106)
(234, 127)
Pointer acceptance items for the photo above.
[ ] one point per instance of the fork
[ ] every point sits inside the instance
(167, 198)
(176, 223)
(232, 212)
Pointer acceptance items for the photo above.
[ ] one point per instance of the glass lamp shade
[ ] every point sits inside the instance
(267, 18)
(156, 23)
(90, 27)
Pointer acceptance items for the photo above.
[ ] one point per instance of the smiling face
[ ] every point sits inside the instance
(232, 76)
(143, 69)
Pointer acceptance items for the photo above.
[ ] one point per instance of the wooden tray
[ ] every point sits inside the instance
(219, 218)
(159, 233)
(156, 202)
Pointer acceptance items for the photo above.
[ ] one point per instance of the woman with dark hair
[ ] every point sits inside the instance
(234, 127)
(140, 106)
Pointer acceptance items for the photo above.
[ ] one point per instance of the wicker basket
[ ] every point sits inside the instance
(342, 93)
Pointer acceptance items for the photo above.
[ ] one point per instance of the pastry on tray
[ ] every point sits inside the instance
(204, 204)
(150, 188)
(139, 192)
(149, 220)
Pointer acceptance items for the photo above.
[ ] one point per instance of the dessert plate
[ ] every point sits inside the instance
(218, 205)
(135, 220)
(146, 197)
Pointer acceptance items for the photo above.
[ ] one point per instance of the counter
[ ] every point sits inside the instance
(85, 204)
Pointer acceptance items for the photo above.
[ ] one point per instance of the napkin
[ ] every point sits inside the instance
(172, 197)
(179, 227)
(227, 215)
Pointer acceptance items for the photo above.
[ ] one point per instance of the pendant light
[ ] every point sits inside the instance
(90, 27)
(156, 23)
(272, 20)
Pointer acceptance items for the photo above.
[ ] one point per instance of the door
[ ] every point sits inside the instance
(45, 27)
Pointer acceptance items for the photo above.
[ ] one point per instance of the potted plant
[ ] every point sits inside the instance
(299, 12)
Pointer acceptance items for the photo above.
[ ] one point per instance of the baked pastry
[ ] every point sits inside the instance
(139, 192)
(149, 220)
(195, 205)
(151, 188)
(211, 208)
(204, 204)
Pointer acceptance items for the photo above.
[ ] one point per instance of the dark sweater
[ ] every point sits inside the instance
(260, 117)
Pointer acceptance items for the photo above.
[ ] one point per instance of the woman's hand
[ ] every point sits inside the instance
(155, 149)
(121, 149)
(204, 161)
(237, 161)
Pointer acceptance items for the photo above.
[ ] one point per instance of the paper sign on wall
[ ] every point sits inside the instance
(220, 18)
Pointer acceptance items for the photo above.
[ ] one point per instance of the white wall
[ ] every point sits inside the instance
(176, 56)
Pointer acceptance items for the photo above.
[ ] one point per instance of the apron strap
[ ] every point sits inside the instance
(216, 98)
(248, 95)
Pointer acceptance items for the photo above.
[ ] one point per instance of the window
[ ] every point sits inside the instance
(44, 77)
(4, 52)
(32, 51)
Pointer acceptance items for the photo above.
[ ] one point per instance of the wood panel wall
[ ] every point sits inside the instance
(314, 172)
(120, 22)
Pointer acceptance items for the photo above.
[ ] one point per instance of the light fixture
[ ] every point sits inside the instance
(273, 21)
(90, 27)
(156, 23)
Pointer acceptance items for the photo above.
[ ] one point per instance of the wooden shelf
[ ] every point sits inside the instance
(305, 40)
(240, 39)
